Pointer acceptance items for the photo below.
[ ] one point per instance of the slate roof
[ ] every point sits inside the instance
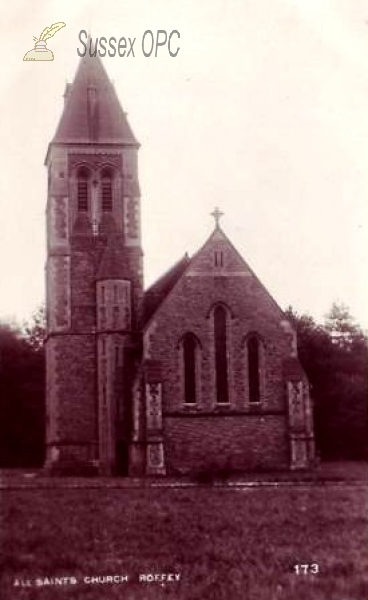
(92, 97)
(156, 294)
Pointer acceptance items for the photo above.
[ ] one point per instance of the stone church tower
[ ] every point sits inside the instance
(198, 373)
(94, 275)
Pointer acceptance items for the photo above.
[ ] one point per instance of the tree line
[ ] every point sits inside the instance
(22, 393)
(334, 356)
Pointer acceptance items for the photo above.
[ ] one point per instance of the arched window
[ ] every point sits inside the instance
(83, 189)
(221, 367)
(106, 190)
(189, 359)
(253, 369)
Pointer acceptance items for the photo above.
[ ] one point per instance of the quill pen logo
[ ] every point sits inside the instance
(40, 52)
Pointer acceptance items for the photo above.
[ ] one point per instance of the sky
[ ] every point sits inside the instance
(263, 112)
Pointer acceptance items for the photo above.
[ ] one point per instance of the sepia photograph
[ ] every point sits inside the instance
(183, 300)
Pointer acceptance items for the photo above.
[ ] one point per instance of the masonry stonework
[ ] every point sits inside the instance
(200, 372)
(224, 443)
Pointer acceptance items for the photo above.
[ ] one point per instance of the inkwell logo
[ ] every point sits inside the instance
(40, 52)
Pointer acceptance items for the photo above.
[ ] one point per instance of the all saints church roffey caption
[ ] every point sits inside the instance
(161, 578)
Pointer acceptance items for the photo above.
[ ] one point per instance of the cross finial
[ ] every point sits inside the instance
(217, 214)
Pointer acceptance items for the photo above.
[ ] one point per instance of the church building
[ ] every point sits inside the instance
(198, 373)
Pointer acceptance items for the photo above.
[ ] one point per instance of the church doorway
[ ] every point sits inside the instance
(122, 458)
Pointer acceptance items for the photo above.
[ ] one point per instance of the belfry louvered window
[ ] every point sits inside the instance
(106, 190)
(83, 189)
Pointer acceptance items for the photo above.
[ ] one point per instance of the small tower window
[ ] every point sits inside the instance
(221, 366)
(83, 189)
(106, 190)
(219, 258)
(189, 355)
(253, 369)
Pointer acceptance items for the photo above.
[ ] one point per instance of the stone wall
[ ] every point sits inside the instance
(189, 310)
(246, 434)
(216, 443)
(72, 399)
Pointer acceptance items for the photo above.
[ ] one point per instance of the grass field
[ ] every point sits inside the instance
(226, 544)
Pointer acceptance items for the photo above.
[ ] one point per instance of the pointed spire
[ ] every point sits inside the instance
(92, 112)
